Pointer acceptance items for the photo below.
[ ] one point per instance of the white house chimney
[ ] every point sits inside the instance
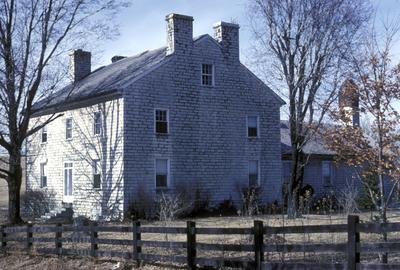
(79, 64)
(227, 34)
(349, 103)
(179, 33)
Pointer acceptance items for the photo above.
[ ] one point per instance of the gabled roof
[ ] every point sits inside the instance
(107, 80)
(315, 146)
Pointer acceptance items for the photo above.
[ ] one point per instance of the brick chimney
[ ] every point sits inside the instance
(227, 34)
(349, 103)
(179, 34)
(79, 64)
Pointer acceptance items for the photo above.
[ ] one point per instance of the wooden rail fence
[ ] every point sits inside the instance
(256, 251)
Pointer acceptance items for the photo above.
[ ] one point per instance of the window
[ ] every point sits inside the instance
(43, 176)
(44, 134)
(253, 173)
(207, 74)
(327, 173)
(252, 126)
(96, 174)
(68, 128)
(162, 168)
(161, 121)
(97, 123)
(68, 179)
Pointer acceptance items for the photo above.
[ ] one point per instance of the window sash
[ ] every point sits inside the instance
(43, 177)
(161, 121)
(252, 126)
(44, 134)
(207, 73)
(327, 173)
(253, 173)
(162, 173)
(68, 128)
(97, 123)
(68, 179)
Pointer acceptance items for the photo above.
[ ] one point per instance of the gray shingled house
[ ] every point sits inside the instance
(188, 116)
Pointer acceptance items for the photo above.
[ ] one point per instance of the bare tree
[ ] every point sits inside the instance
(373, 150)
(304, 46)
(33, 33)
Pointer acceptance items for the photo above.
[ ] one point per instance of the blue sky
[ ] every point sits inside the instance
(143, 26)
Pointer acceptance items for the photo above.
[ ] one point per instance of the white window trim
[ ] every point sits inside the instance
(258, 172)
(168, 173)
(72, 125)
(212, 75)
(258, 126)
(155, 120)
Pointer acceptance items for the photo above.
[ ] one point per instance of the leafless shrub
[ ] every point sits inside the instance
(36, 203)
(250, 201)
(347, 198)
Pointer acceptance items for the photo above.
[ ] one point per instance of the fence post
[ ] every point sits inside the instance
(29, 235)
(353, 239)
(137, 249)
(58, 240)
(191, 244)
(258, 244)
(93, 239)
(3, 237)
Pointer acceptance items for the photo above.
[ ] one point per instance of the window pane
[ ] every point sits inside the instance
(161, 121)
(253, 172)
(253, 180)
(96, 180)
(252, 121)
(326, 168)
(161, 166)
(161, 181)
(253, 167)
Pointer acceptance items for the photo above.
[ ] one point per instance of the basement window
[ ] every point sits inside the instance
(207, 74)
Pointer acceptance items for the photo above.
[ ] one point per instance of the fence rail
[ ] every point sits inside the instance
(28, 236)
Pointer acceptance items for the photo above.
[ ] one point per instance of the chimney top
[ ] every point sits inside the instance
(79, 64)
(179, 34)
(226, 24)
(178, 16)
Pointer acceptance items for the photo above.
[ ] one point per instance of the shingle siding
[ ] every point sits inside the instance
(207, 144)
(81, 150)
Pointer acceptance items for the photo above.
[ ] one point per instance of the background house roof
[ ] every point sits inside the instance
(315, 146)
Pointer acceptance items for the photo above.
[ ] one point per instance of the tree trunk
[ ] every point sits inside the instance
(296, 181)
(14, 188)
(383, 257)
